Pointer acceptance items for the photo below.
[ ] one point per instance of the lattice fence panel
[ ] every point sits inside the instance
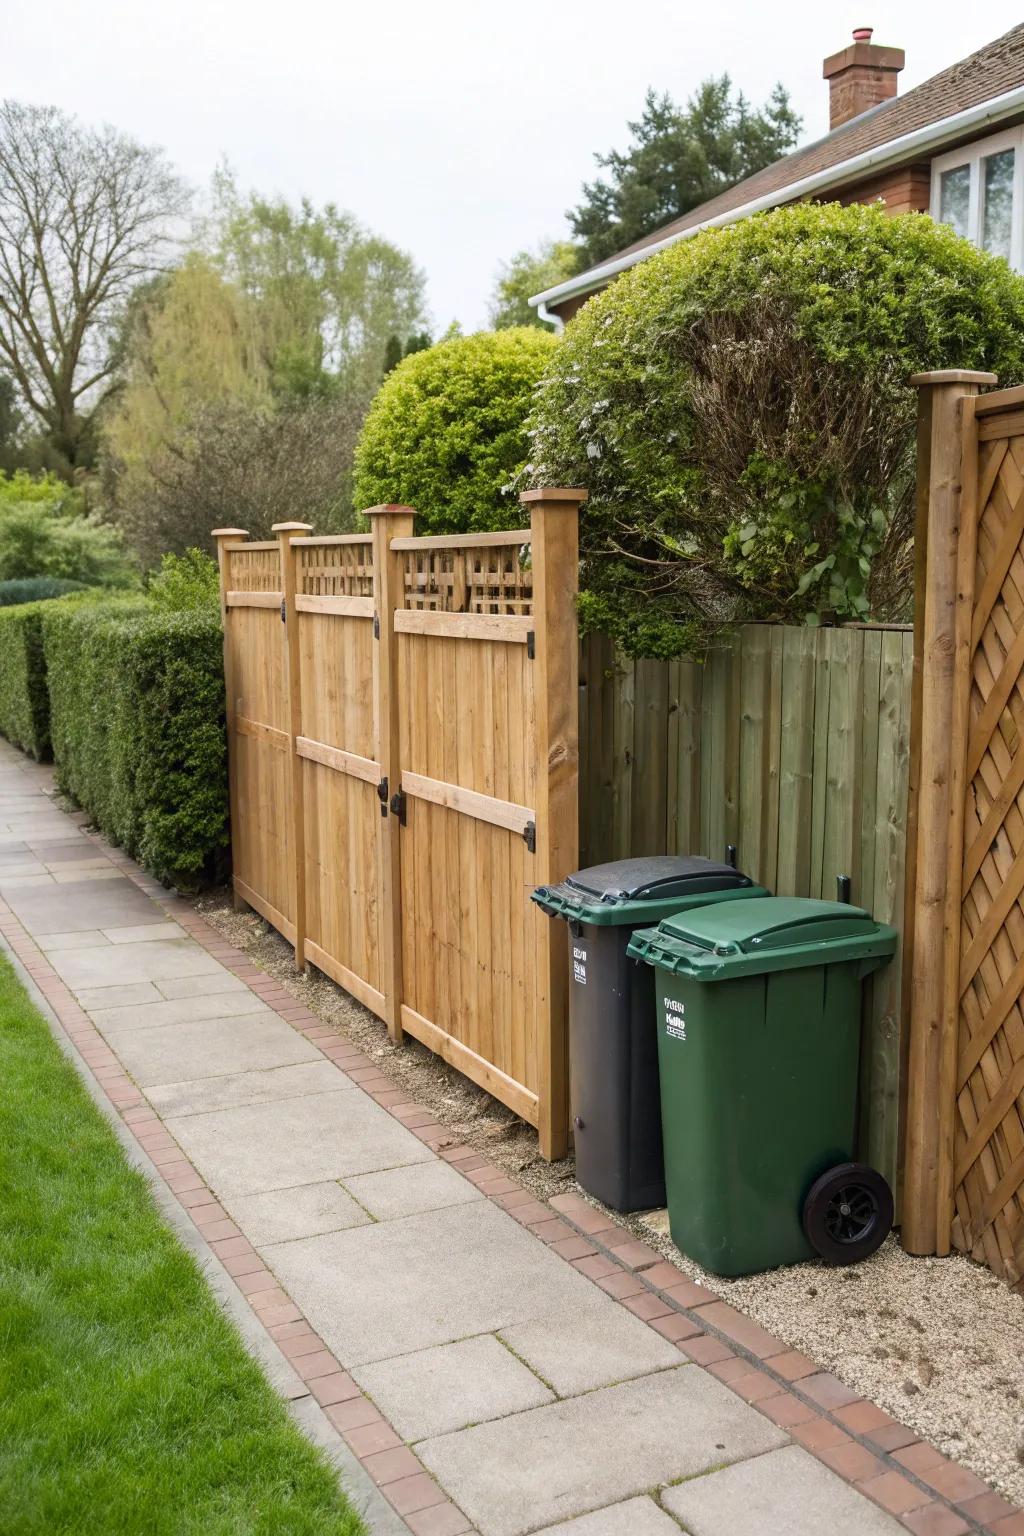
(329, 569)
(989, 1136)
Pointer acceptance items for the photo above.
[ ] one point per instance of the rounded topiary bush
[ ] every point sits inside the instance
(739, 408)
(446, 431)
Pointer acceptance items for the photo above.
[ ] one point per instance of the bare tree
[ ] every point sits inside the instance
(85, 215)
(241, 464)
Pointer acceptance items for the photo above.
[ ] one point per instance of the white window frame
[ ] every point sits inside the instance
(973, 155)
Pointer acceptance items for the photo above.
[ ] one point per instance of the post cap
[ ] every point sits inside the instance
(387, 506)
(291, 527)
(554, 493)
(954, 376)
(229, 533)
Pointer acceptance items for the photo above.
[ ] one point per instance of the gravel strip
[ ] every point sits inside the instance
(938, 1343)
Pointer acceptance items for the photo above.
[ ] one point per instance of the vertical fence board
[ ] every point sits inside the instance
(796, 762)
(622, 758)
(755, 732)
(649, 788)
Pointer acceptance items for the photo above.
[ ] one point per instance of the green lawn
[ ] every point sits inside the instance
(128, 1404)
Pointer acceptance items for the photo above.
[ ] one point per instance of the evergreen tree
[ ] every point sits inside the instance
(679, 157)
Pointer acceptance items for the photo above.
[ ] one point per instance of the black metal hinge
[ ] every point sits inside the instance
(530, 836)
(284, 611)
(398, 807)
(382, 795)
(376, 626)
(531, 644)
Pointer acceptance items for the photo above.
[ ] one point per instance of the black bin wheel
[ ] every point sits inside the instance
(848, 1213)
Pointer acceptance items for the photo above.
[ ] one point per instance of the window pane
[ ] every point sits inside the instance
(955, 198)
(997, 218)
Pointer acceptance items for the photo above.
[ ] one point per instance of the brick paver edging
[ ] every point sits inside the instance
(930, 1495)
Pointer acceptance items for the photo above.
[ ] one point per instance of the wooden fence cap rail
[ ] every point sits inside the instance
(229, 533)
(555, 493)
(954, 376)
(291, 527)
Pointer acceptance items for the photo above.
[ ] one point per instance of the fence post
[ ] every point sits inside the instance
(932, 1038)
(387, 523)
(222, 537)
(554, 523)
(293, 681)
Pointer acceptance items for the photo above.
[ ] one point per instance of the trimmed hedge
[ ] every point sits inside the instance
(137, 723)
(24, 702)
(33, 589)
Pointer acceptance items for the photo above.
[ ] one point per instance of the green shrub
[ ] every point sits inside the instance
(24, 702)
(739, 408)
(446, 431)
(43, 532)
(137, 721)
(33, 589)
(185, 582)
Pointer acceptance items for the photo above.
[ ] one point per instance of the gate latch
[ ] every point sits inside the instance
(284, 611)
(530, 836)
(398, 807)
(382, 796)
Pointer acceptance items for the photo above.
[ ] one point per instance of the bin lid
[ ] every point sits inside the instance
(774, 933)
(640, 890)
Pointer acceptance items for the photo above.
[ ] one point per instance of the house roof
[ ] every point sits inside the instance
(991, 72)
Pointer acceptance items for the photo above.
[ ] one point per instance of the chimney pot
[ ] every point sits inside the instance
(860, 76)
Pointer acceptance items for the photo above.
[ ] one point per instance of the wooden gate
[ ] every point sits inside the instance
(403, 753)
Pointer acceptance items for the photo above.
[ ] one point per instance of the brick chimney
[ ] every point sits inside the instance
(860, 76)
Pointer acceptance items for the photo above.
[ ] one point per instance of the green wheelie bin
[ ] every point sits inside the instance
(613, 1053)
(759, 1009)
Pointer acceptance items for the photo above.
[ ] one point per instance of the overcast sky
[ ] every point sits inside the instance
(462, 131)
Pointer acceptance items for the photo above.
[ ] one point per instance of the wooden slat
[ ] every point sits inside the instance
(257, 544)
(326, 540)
(499, 813)
(999, 400)
(336, 757)
(1005, 424)
(480, 1071)
(464, 540)
(512, 627)
(350, 607)
(253, 599)
(268, 733)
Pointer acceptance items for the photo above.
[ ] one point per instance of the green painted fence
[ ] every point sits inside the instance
(793, 744)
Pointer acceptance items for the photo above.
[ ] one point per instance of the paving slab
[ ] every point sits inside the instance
(634, 1517)
(133, 994)
(259, 1147)
(72, 852)
(304, 1211)
(422, 1280)
(592, 1347)
(179, 1010)
(201, 986)
(85, 938)
(64, 908)
(571, 1457)
(120, 963)
(136, 933)
(78, 875)
(203, 1095)
(437, 1390)
(210, 1048)
(404, 1191)
(787, 1493)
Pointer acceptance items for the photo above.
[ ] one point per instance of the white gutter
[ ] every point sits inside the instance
(933, 136)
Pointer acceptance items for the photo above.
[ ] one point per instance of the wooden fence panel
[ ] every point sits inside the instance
(792, 743)
(257, 682)
(981, 1094)
(337, 751)
(403, 759)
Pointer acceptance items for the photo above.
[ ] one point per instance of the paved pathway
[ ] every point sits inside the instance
(496, 1364)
